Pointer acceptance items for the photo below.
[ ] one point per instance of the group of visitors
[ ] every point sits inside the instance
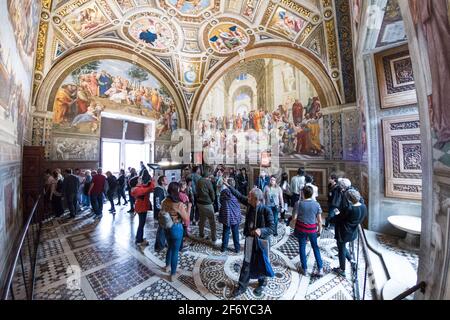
(203, 195)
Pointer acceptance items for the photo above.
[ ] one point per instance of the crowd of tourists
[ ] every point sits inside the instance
(219, 195)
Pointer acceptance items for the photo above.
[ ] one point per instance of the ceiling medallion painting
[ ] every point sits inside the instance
(191, 7)
(286, 23)
(190, 10)
(227, 38)
(148, 30)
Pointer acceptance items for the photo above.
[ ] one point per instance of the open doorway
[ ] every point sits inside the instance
(125, 144)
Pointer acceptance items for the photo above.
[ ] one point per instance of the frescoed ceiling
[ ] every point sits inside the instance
(189, 39)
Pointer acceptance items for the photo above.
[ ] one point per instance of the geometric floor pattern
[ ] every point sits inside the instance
(83, 259)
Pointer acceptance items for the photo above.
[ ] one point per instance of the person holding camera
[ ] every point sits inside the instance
(142, 195)
(308, 226)
(273, 198)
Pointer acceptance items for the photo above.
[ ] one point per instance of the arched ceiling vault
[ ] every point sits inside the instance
(189, 41)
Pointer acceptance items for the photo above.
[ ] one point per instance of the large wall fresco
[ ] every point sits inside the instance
(114, 86)
(239, 120)
(18, 35)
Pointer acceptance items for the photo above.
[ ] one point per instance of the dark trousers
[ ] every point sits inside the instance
(195, 215)
(226, 237)
(140, 230)
(97, 203)
(160, 241)
(275, 213)
(132, 201)
(121, 194)
(57, 206)
(343, 254)
(330, 217)
(72, 203)
(294, 198)
(244, 278)
(110, 195)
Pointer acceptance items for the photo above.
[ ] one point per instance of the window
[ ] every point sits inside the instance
(111, 156)
(135, 153)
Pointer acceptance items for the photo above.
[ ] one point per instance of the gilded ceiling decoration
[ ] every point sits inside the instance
(189, 39)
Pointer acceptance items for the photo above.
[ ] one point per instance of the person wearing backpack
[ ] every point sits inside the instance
(142, 195)
(176, 210)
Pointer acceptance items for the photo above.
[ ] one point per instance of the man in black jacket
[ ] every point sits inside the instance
(259, 223)
(121, 188)
(112, 189)
(71, 186)
(334, 199)
(242, 182)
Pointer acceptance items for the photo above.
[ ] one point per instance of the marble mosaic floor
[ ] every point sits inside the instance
(103, 255)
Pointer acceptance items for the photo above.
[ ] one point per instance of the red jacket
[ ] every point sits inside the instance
(142, 195)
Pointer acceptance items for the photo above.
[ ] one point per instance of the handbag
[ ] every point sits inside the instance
(165, 220)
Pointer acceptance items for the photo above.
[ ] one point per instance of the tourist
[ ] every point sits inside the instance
(205, 203)
(112, 190)
(273, 198)
(96, 193)
(309, 180)
(159, 195)
(308, 226)
(195, 176)
(334, 199)
(297, 185)
(56, 193)
(132, 183)
(190, 194)
(142, 195)
(144, 174)
(229, 216)
(218, 184)
(184, 198)
(286, 188)
(177, 211)
(258, 224)
(71, 186)
(80, 177)
(262, 181)
(346, 228)
(49, 180)
(121, 188)
(242, 182)
(86, 185)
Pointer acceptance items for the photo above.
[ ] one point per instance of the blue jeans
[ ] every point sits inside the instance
(226, 237)
(174, 238)
(343, 254)
(275, 213)
(301, 236)
(160, 241)
(85, 200)
(97, 204)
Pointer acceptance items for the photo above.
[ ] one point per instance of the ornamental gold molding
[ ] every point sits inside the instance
(332, 43)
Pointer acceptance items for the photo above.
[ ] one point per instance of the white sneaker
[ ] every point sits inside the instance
(216, 243)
